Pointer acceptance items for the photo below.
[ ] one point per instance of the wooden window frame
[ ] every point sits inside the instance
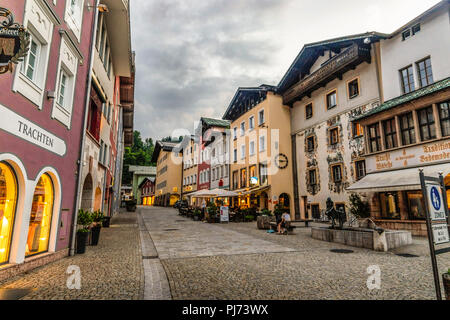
(412, 84)
(326, 99)
(409, 129)
(428, 124)
(312, 110)
(444, 119)
(315, 176)
(338, 134)
(342, 172)
(348, 88)
(314, 143)
(357, 170)
(354, 133)
(427, 76)
(392, 134)
(377, 138)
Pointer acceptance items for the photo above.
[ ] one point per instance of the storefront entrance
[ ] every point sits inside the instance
(8, 200)
(41, 217)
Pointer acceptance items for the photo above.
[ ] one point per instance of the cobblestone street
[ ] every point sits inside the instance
(237, 261)
(157, 254)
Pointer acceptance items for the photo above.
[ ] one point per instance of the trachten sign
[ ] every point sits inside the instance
(14, 41)
(17, 125)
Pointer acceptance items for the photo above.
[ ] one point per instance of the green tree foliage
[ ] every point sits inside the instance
(359, 208)
(140, 154)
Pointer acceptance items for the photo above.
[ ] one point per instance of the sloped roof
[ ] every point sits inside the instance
(308, 55)
(432, 88)
(216, 122)
(163, 146)
(151, 179)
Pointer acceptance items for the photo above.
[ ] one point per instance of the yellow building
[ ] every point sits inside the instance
(260, 149)
(168, 173)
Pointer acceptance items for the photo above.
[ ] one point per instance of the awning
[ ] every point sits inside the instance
(398, 180)
(215, 193)
(255, 190)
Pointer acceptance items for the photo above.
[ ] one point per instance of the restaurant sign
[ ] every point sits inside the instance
(409, 157)
(17, 125)
(14, 41)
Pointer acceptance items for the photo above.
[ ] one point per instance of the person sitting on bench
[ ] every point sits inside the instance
(284, 223)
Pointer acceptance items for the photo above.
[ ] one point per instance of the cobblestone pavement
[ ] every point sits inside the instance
(280, 267)
(111, 270)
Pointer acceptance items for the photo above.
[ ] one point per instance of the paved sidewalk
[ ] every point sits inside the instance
(112, 270)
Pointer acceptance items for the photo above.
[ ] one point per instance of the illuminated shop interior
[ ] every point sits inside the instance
(8, 199)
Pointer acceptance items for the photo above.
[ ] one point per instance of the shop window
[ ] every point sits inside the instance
(444, 115)
(407, 129)
(358, 130)
(374, 138)
(353, 88)
(407, 79)
(390, 134)
(425, 72)
(309, 111)
(427, 124)
(311, 143)
(41, 217)
(389, 205)
(416, 206)
(334, 136)
(332, 100)
(243, 178)
(263, 173)
(337, 173)
(8, 200)
(253, 178)
(360, 167)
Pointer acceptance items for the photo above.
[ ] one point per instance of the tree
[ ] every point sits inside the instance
(359, 208)
(140, 154)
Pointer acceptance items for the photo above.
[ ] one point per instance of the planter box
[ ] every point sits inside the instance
(364, 238)
(263, 222)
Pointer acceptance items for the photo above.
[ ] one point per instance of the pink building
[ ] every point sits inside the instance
(42, 108)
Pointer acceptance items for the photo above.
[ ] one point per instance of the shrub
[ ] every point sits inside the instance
(359, 208)
(266, 212)
(84, 219)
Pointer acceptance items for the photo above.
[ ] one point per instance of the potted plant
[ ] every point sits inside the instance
(97, 218)
(212, 213)
(84, 220)
(131, 205)
(197, 213)
(446, 282)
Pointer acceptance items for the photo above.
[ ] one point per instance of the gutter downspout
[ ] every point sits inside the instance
(83, 132)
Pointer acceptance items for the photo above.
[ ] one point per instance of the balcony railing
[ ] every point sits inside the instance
(333, 68)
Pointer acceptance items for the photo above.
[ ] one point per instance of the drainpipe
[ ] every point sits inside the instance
(83, 132)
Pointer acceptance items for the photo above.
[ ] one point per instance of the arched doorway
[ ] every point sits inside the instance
(40, 217)
(8, 201)
(284, 202)
(98, 199)
(264, 201)
(86, 195)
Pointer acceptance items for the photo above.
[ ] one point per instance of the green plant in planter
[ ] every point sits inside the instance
(266, 212)
(359, 208)
(249, 218)
(278, 210)
(212, 210)
(97, 217)
(84, 219)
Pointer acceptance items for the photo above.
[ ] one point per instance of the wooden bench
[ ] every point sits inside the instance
(289, 228)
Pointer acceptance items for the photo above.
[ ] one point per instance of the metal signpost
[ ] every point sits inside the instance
(435, 197)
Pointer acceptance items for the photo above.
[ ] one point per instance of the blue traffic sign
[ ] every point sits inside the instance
(435, 198)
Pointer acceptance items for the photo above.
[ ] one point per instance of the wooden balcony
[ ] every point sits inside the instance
(333, 68)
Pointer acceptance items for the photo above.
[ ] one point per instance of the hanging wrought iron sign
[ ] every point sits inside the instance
(14, 41)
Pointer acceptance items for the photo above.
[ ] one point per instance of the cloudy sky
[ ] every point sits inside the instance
(192, 55)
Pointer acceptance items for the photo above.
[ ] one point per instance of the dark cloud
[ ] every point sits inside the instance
(192, 55)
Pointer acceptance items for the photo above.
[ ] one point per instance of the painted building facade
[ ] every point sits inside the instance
(190, 165)
(411, 129)
(260, 169)
(328, 83)
(140, 173)
(42, 106)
